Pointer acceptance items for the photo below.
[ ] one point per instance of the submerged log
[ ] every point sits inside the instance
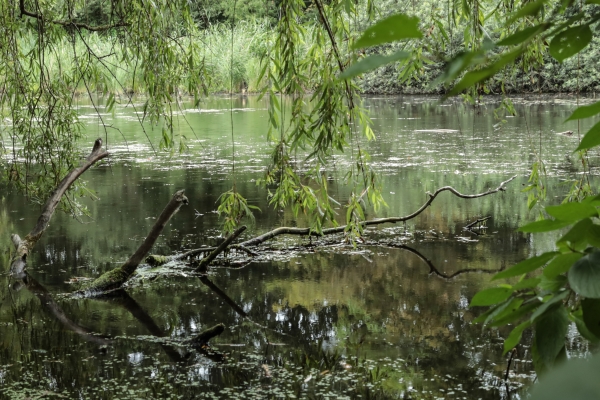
(24, 246)
(115, 278)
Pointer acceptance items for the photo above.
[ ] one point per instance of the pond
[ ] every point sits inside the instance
(387, 319)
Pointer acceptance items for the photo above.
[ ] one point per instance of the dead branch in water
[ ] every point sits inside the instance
(221, 248)
(477, 221)
(115, 278)
(25, 245)
(159, 260)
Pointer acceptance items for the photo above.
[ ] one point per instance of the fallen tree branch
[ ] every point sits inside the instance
(156, 259)
(159, 260)
(221, 248)
(307, 231)
(117, 277)
(477, 221)
(25, 245)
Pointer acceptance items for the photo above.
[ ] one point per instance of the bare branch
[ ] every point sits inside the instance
(24, 246)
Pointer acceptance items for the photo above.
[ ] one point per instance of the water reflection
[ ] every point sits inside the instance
(372, 321)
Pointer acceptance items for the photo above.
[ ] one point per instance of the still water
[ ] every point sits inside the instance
(388, 319)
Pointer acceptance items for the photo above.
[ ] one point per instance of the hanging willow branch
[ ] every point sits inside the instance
(70, 23)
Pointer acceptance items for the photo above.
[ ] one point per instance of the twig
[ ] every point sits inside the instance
(512, 355)
(469, 226)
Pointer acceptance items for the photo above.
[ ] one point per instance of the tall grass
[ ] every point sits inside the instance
(107, 72)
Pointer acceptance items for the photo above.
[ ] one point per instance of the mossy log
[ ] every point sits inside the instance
(117, 277)
(24, 246)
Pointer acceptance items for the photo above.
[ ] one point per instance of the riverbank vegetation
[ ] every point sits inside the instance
(322, 56)
(232, 49)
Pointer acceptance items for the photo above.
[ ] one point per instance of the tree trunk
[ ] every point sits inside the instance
(115, 278)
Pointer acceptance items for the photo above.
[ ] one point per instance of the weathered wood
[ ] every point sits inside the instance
(156, 259)
(117, 277)
(477, 221)
(159, 260)
(24, 246)
(306, 231)
(221, 248)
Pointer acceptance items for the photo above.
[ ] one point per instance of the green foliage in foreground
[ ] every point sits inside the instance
(550, 291)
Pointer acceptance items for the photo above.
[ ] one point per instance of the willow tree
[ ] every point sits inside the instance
(47, 55)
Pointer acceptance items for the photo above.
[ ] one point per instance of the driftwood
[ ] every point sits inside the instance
(24, 246)
(159, 260)
(156, 259)
(221, 248)
(115, 278)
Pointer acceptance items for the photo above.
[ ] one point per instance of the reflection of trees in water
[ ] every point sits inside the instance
(388, 289)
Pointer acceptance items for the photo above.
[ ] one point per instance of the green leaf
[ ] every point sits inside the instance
(572, 211)
(553, 284)
(548, 305)
(457, 65)
(570, 42)
(515, 315)
(590, 139)
(526, 284)
(550, 333)
(515, 336)
(390, 29)
(490, 296)
(576, 379)
(523, 35)
(473, 77)
(372, 62)
(529, 9)
(500, 310)
(591, 315)
(545, 225)
(578, 235)
(584, 276)
(593, 235)
(585, 111)
(531, 264)
(577, 317)
(560, 264)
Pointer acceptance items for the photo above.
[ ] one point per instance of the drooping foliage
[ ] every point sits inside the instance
(568, 288)
(47, 53)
